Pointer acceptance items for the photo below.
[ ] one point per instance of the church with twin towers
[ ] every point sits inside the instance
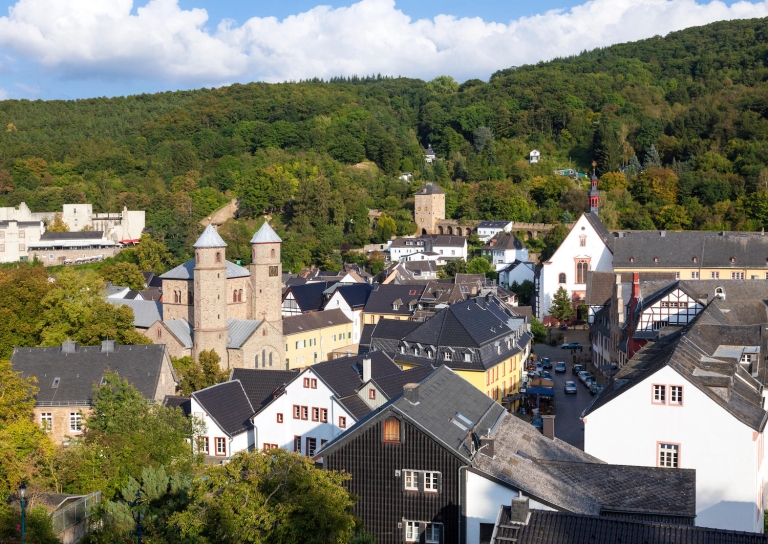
(210, 303)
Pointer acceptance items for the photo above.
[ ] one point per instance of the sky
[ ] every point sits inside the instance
(68, 49)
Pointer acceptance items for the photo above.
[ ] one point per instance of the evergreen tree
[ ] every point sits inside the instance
(634, 167)
(561, 308)
(652, 158)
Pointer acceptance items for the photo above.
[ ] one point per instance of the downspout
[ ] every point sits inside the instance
(460, 507)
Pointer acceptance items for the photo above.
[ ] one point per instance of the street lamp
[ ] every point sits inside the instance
(23, 498)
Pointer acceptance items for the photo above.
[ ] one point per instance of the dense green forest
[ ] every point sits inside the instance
(678, 126)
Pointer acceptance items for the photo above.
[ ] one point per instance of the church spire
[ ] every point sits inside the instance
(594, 192)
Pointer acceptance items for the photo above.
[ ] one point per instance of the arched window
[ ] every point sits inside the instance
(270, 359)
(197, 256)
(272, 253)
(581, 271)
(240, 295)
(159, 333)
(391, 430)
(234, 295)
(561, 278)
(218, 256)
(257, 361)
(583, 240)
(190, 297)
(263, 358)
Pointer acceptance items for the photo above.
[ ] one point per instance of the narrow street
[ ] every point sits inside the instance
(568, 408)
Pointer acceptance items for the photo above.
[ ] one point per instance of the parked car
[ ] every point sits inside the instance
(545, 374)
(571, 345)
(546, 363)
(589, 382)
(539, 367)
(596, 388)
(570, 387)
(577, 368)
(584, 376)
(560, 367)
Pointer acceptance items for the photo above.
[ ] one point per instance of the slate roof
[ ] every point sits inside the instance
(392, 385)
(228, 405)
(182, 330)
(82, 235)
(355, 405)
(381, 298)
(7, 223)
(260, 384)
(265, 235)
(344, 376)
(210, 238)
(79, 371)
(453, 412)
(145, 312)
(492, 224)
(309, 296)
(594, 220)
(600, 284)
(430, 188)
(240, 330)
(186, 271)
(693, 353)
(445, 240)
(678, 250)
(312, 321)
(183, 403)
(356, 294)
(548, 527)
(503, 242)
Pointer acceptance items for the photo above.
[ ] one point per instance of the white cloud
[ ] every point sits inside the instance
(3, 94)
(100, 38)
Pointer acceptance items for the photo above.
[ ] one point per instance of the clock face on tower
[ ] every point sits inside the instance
(272, 271)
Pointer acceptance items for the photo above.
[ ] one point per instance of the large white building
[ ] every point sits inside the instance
(587, 247)
(440, 248)
(694, 399)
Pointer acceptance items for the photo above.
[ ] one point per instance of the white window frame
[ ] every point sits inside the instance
(695, 275)
(676, 395)
(714, 275)
(75, 422)
(431, 480)
(219, 441)
(668, 455)
(411, 480)
(46, 421)
(659, 394)
(412, 533)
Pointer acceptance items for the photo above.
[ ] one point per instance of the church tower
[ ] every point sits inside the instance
(429, 208)
(210, 302)
(266, 277)
(594, 195)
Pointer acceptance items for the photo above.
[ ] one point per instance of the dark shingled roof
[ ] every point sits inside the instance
(381, 299)
(309, 296)
(392, 385)
(594, 220)
(82, 235)
(313, 321)
(345, 375)
(79, 371)
(179, 402)
(228, 405)
(365, 336)
(259, 385)
(355, 405)
(661, 249)
(600, 284)
(430, 188)
(356, 294)
(547, 527)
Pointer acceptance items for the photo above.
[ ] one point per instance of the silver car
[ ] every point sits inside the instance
(570, 387)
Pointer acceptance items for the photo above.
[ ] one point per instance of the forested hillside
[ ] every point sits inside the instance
(686, 115)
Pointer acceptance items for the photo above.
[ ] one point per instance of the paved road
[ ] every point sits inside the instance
(568, 408)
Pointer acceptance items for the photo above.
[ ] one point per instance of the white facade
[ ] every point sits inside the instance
(727, 454)
(324, 418)
(15, 238)
(520, 273)
(582, 246)
(338, 302)
(451, 252)
(483, 500)
(502, 257)
(534, 156)
(488, 229)
(213, 436)
(403, 247)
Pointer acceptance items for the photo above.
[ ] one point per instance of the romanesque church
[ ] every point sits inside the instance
(210, 303)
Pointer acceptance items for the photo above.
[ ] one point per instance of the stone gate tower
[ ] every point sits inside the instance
(266, 277)
(429, 208)
(210, 302)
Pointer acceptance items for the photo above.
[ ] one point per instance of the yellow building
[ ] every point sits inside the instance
(480, 339)
(312, 337)
(693, 255)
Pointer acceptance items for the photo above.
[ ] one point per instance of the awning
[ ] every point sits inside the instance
(512, 398)
(542, 391)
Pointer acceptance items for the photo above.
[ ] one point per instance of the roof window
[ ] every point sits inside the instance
(56, 382)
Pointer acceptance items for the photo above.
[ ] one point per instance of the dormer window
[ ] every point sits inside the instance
(416, 351)
(695, 259)
(467, 357)
(402, 350)
(733, 259)
(395, 306)
(447, 356)
(655, 259)
(56, 382)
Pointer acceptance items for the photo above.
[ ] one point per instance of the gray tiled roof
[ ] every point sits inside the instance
(79, 371)
(547, 527)
(492, 224)
(265, 235)
(309, 296)
(182, 330)
(345, 375)
(504, 241)
(594, 220)
(228, 405)
(381, 299)
(81, 235)
(392, 385)
(145, 312)
(355, 405)
(445, 240)
(180, 402)
(186, 271)
(210, 238)
(661, 249)
(240, 330)
(430, 188)
(313, 321)
(261, 384)
(600, 284)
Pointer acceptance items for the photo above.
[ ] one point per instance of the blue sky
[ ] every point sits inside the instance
(64, 49)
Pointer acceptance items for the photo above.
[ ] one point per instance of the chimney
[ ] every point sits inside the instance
(663, 233)
(519, 511)
(636, 285)
(366, 370)
(486, 446)
(411, 392)
(549, 426)
(108, 346)
(69, 347)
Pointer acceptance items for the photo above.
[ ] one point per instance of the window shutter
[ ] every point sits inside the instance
(439, 482)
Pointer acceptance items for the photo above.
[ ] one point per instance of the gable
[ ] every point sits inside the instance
(570, 244)
(674, 308)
